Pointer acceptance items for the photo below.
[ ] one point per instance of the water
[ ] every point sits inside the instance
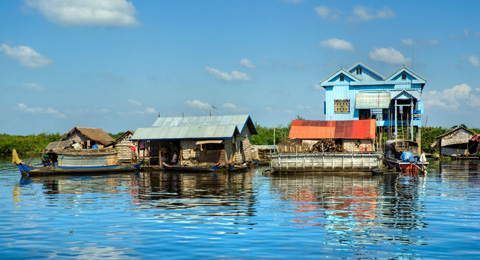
(242, 215)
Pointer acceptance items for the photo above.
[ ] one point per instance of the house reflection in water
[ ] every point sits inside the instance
(353, 209)
(207, 194)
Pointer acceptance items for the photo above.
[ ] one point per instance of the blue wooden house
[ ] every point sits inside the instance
(361, 93)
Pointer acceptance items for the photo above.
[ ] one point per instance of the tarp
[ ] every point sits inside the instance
(209, 142)
(15, 158)
(372, 100)
(317, 129)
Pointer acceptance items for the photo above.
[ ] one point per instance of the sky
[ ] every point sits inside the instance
(118, 64)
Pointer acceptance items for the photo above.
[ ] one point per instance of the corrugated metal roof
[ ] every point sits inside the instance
(372, 100)
(208, 127)
(316, 129)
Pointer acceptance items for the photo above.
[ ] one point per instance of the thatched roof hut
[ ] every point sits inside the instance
(87, 134)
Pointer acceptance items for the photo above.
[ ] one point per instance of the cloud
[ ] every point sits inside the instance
(327, 13)
(303, 107)
(33, 86)
(362, 13)
(150, 110)
(388, 55)
(105, 13)
(337, 44)
(38, 110)
(135, 102)
(473, 60)
(247, 64)
(25, 55)
(410, 42)
(233, 107)
(452, 98)
(234, 76)
(198, 104)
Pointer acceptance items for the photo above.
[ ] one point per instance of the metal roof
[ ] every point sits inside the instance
(207, 127)
(317, 129)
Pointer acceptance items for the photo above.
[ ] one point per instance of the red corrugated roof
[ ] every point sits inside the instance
(317, 129)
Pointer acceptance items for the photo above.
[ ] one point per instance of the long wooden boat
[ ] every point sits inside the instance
(402, 155)
(76, 163)
(179, 168)
(325, 162)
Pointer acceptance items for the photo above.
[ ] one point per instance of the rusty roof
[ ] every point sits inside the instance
(318, 129)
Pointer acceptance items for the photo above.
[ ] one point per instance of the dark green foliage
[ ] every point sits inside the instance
(29, 143)
(265, 134)
(117, 135)
(428, 137)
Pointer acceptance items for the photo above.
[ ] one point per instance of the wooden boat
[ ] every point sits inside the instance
(237, 168)
(402, 155)
(178, 168)
(75, 162)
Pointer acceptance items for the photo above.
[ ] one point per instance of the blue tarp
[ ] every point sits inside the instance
(407, 157)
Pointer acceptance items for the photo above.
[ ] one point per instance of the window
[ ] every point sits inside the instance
(404, 76)
(342, 78)
(359, 70)
(342, 106)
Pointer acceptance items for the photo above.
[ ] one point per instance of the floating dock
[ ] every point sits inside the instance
(326, 162)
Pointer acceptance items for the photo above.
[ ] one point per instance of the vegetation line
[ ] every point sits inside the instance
(34, 143)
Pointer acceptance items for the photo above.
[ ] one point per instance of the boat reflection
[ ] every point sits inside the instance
(355, 209)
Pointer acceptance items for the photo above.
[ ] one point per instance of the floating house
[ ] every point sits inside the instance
(123, 146)
(350, 136)
(458, 142)
(361, 93)
(87, 137)
(207, 139)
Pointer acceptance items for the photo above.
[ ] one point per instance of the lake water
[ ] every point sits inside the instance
(242, 215)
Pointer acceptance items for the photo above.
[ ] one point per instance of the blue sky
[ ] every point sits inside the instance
(116, 64)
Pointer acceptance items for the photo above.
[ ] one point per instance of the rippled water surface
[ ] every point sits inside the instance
(242, 215)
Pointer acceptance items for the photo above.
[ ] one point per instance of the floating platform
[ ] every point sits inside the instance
(326, 162)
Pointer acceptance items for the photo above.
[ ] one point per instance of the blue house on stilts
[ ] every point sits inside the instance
(393, 101)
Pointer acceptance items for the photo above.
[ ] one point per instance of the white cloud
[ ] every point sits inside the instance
(326, 12)
(293, 1)
(362, 13)
(25, 55)
(108, 13)
(473, 60)
(452, 98)
(234, 76)
(229, 106)
(33, 86)
(388, 55)
(303, 107)
(135, 102)
(150, 110)
(198, 104)
(233, 107)
(337, 44)
(38, 110)
(428, 42)
(104, 110)
(247, 64)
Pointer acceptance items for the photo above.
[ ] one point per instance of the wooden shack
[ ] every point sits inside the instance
(458, 143)
(87, 137)
(123, 145)
(195, 140)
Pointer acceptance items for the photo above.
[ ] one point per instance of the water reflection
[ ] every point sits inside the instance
(356, 209)
(225, 194)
